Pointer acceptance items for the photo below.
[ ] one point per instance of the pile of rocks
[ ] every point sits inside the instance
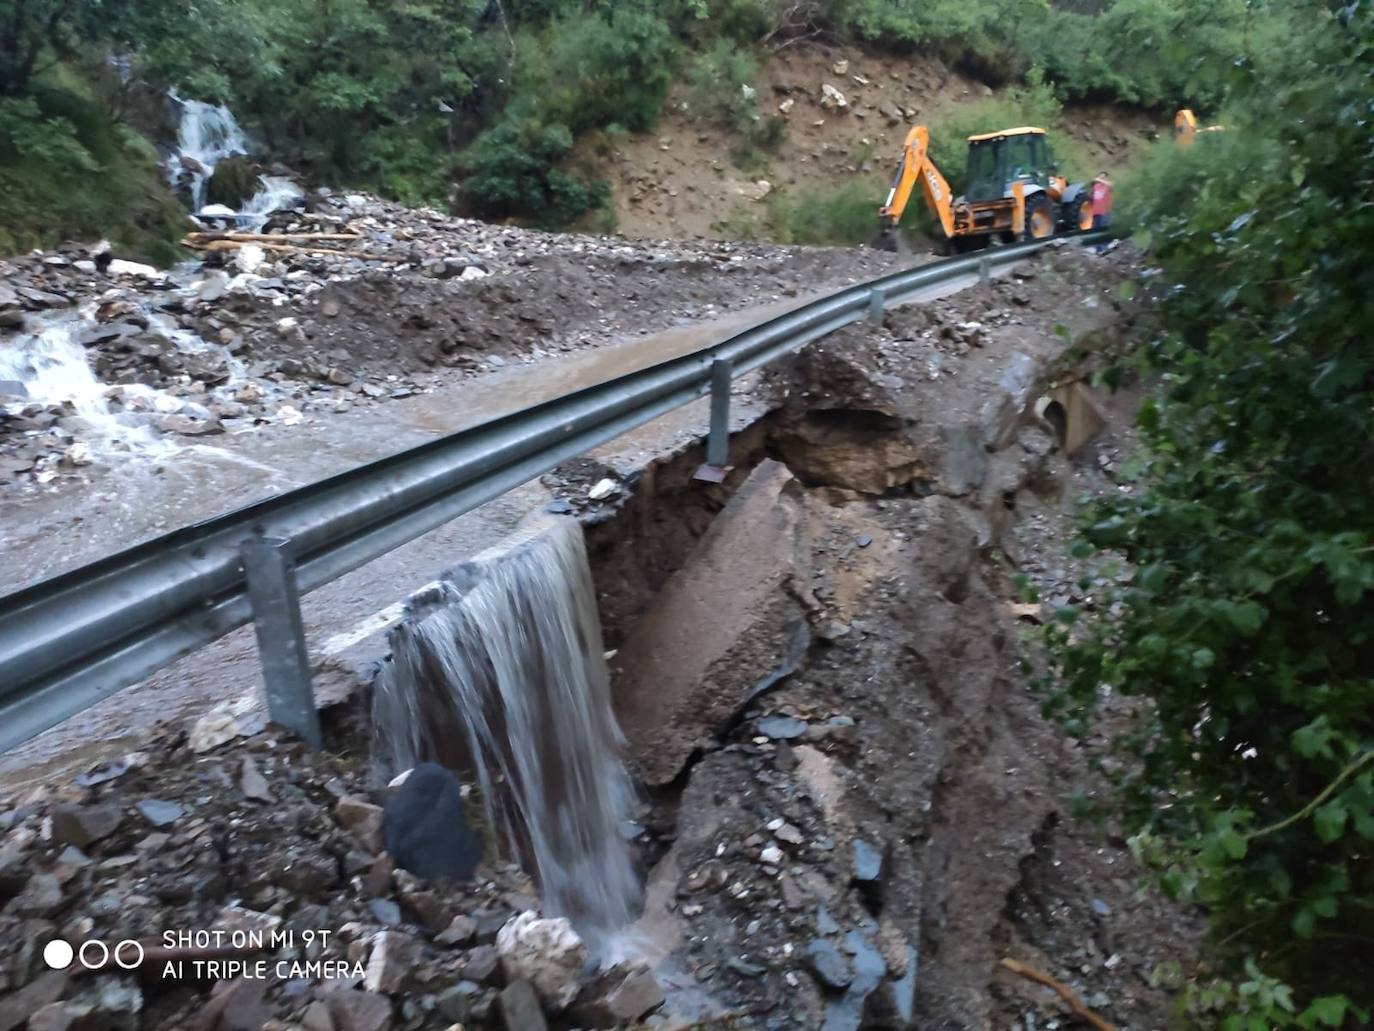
(267, 887)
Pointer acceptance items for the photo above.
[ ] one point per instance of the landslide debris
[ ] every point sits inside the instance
(847, 833)
(256, 336)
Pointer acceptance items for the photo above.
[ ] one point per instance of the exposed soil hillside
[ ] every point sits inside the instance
(692, 178)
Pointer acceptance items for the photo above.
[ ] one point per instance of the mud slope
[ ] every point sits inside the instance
(691, 178)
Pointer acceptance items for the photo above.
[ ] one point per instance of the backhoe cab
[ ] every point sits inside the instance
(1014, 191)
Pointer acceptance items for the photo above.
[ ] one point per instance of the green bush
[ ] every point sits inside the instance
(723, 86)
(512, 171)
(67, 172)
(1248, 626)
(845, 215)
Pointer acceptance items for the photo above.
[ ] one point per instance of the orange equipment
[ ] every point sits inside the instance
(1014, 191)
(1186, 127)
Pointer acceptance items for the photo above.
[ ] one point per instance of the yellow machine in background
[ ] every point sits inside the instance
(1186, 127)
(1014, 191)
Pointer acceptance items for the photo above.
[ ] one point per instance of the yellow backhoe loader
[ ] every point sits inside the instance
(1186, 127)
(1014, 191)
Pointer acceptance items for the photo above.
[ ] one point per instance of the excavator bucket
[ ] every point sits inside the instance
(890, 238)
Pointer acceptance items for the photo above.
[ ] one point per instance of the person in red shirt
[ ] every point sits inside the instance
(1102, 201)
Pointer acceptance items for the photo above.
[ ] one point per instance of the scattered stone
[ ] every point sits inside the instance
(84, 825)
(832, 99)
(362, 819)
(461, 931)
(520, 1008)
(602, 489)
(456, 1003)
(546, 952)
(159, 813)
(830, 968)
(359, 1011)
(387, 912)
(393, 955)
(252, 783)
(638, 994)
(780, 728)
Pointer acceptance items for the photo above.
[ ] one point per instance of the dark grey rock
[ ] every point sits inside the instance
(520, 1009)
(83, 825)
(387, 912)
(426, 829)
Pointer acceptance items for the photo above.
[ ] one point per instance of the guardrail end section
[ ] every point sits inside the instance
(270, 569)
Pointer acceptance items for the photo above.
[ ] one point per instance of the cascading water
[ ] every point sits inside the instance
(499, 672)
(208, 134)
(53, 368)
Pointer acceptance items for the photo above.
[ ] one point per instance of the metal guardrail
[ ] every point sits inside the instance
(77, 638)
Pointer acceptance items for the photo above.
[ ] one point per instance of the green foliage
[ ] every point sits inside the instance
(723, 84)
(34, 137)
(66, 171)
(1034, 103)
(512, 170)
(1249, 624)
(845, 215)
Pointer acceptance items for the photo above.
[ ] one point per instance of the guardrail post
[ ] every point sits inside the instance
(271, 572)
(984, 270)
(877, 301)
(718, 442)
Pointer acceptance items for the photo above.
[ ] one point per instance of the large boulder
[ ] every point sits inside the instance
(233, 181)
(545, 952)
(426, 829)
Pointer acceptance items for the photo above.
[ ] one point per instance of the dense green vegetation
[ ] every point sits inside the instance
(1247, 629)
(477, 104)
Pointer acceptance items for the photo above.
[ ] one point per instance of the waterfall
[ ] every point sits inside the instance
(208, 134)
(498, 672)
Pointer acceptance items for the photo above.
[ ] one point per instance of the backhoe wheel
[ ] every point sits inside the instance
(1080, 215)
(1039, 217)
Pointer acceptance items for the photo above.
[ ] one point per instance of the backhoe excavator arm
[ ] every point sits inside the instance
(916, 165)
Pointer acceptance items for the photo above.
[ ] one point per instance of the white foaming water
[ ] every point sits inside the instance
(499, 672)
(208, 134)
(53, 368)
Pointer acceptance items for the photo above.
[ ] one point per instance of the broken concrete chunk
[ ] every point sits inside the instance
(722, 627)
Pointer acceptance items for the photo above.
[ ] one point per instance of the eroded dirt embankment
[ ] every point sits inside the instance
(857, 809)
(852, 808)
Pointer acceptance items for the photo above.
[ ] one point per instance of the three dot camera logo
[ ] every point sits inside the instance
(93, 954)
